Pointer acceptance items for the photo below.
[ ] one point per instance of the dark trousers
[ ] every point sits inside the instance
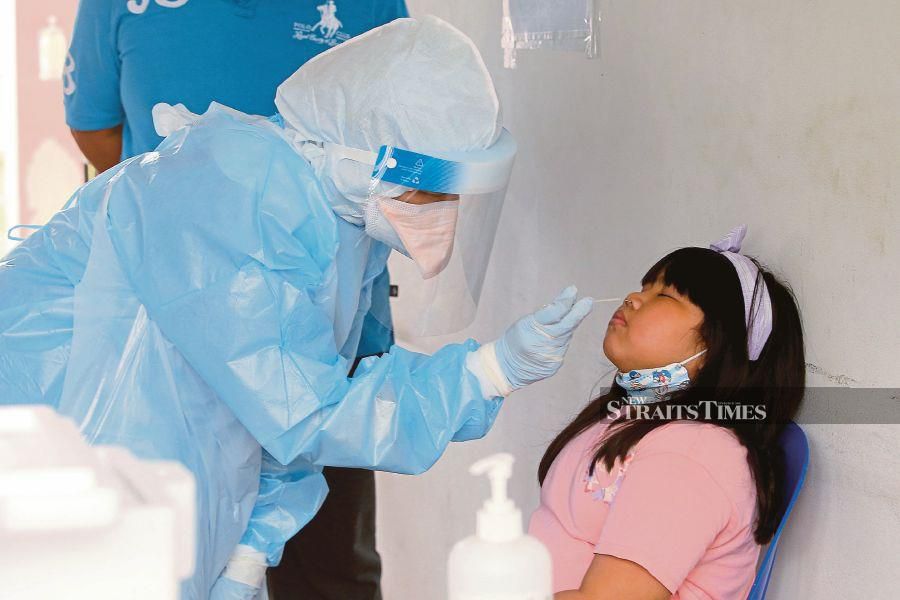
(334, 556)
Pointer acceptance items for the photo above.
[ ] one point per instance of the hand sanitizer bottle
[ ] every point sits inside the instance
(499, 562)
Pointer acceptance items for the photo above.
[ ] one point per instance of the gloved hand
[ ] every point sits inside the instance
(243, 577)
(534, 347)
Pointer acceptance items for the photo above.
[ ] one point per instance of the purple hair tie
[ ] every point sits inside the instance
(757, 302)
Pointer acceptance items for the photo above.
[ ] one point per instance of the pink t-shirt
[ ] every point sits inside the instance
(682, 505)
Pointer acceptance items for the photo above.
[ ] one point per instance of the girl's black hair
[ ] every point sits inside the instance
(774, 382)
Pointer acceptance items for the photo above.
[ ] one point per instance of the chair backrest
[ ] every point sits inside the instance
(796, 461)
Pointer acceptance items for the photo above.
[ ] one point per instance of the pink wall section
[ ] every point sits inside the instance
(40, 103)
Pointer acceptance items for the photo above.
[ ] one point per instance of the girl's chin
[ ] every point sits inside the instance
(609, 349)
(614, 340)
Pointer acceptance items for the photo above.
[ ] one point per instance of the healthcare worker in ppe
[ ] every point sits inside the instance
(226, 276)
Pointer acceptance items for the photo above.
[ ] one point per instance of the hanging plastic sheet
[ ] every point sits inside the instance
(572, 25)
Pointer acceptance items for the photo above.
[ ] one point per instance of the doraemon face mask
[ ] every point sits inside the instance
(646, 386)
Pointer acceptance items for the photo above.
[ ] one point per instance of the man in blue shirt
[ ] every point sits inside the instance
(128, 55)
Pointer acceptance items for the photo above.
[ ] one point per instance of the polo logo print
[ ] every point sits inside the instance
(327, 31)
(138, 7)
(328, 21)
(68, 80)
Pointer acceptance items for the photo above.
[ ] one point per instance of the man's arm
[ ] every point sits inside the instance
(92, 98)
(102, 147)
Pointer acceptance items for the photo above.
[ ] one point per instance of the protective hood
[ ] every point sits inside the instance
(415, 84)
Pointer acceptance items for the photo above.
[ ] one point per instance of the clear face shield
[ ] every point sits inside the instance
(442, 212)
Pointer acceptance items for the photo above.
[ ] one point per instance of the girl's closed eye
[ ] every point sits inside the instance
(670, 291)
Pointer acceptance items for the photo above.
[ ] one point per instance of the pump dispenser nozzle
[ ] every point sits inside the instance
(500, 560)
(498, 520)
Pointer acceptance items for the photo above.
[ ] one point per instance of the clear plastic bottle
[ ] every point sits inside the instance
(499, 562)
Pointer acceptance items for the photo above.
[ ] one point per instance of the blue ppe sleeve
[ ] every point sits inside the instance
(36, 316)
(38, 279)
(400, 429)
(91, 86)
(289, 497)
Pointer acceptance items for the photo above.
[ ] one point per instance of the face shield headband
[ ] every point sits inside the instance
(474, 172)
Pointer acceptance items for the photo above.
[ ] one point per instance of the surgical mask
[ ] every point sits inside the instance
(379, 228)
(424, 233)
(647, 386)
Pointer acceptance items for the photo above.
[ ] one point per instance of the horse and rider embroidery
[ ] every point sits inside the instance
(326, 31)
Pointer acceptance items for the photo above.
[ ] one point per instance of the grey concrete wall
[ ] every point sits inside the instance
(699, 116)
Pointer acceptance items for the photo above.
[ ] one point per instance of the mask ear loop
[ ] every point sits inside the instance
(684, 362)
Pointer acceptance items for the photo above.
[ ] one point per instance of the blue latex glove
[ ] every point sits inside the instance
(534, 347)
(228, 589)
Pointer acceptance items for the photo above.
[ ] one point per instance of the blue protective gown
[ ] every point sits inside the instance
(217, 308)
(37, 281)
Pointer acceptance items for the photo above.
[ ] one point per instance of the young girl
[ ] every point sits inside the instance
(666, 486)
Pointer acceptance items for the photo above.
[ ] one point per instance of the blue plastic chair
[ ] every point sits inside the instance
(796, 455)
